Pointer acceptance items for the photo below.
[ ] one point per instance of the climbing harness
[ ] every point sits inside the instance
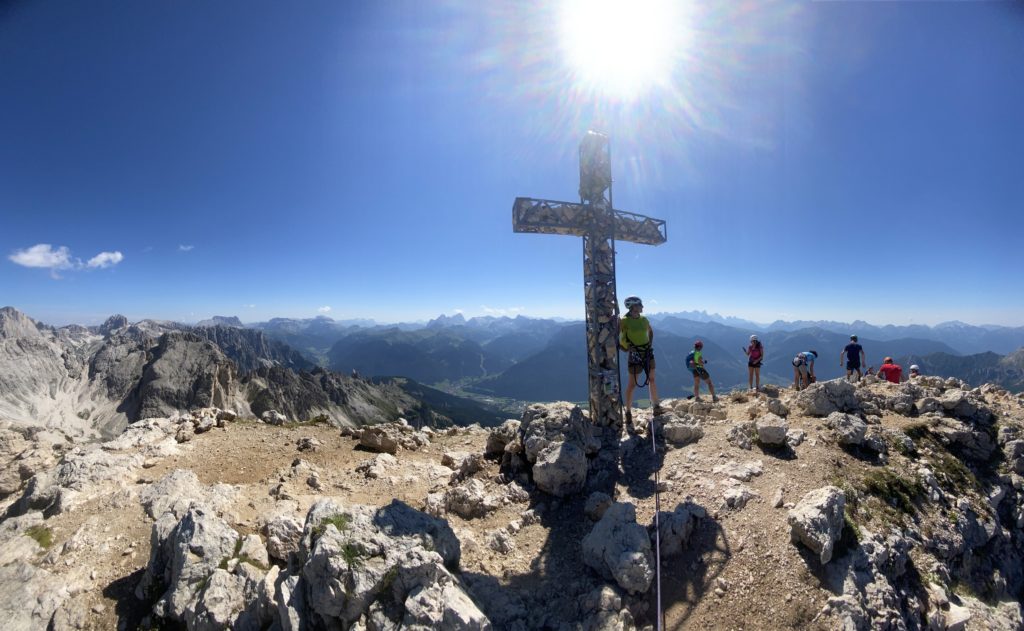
(641, 355)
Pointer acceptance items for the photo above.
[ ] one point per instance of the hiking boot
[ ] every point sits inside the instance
(714, 398)
(629, 417)
(697, 398)
(658, 410)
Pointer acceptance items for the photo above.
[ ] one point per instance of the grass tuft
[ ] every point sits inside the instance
(42, 535)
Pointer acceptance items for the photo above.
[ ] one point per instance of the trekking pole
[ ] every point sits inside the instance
(657, 522)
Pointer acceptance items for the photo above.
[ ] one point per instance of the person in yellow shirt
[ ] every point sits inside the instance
(636, 337)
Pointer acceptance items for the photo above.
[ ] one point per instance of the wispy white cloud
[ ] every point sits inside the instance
(185, 248)
(105, 259)
(251, 306)
(45, 256)
(498, 311)
(324, 309)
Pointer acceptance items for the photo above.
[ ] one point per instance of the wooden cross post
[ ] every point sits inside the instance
(600, 225)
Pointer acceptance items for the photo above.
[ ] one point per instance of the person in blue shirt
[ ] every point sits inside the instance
(855, 358)
(803, 369)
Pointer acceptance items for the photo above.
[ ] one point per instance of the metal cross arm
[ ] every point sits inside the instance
(550, 217)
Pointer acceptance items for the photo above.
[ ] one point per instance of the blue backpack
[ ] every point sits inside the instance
(690, 363)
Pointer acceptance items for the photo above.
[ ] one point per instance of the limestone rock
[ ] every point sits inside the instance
(681, 430)
(743, 472)
(378, 466)
(676, 527)
(380, 439)
(501, 437)
(273, 417)
(283, 534)
(849, 429)
(470, 500)
(618, 548)
(771, 429)
(825, 397)
(817, 520)
(560, 469)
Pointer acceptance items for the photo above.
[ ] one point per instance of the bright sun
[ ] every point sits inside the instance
(621, 48)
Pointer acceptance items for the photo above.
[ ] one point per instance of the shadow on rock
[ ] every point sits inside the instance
(129, 609)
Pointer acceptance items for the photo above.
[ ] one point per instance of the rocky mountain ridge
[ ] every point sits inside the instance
(90, 382)
(846, 506)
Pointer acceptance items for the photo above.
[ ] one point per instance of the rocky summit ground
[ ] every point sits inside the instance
(875, 506)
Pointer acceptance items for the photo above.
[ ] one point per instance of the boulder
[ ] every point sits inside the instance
(681, 430)
(817, 520)
(849, 430)
(470, 500)
(742, 434)
(378, 466)
(771, 429)
(547, 423)
(182, 559)
(676, 527)
(501, 436)
(358, 561)
(560, 469)
(618, 548)
(283, 534)
(825, 397)
(380, 439)
(273, 417)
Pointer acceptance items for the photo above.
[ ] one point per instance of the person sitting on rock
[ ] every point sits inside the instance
(636, 337)
(803, 369)
(891, 371)
(695, 362)
(914, 371)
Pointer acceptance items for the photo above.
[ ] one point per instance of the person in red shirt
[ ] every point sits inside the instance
(892, 372)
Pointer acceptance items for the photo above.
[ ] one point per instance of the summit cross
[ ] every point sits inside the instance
(600, 225)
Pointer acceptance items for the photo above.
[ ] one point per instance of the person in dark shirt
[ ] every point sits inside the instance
(890, 371)
(855, 358)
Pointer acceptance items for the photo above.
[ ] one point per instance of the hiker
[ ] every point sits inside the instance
(636, 337)
(855, 358)
(914, 371)
(890, 371)
(755, 356)
(695, 362)
(803, 369)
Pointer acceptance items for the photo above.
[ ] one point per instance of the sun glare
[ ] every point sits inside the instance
(621, 48)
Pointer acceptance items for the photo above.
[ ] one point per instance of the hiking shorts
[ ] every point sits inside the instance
(701, 373)
(754, 364)
(853, 365)
(637, 367)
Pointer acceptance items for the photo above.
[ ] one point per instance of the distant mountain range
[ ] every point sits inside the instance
(101, 378)
(543, 359)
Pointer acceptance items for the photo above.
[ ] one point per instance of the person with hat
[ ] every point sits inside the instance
(892, 372)
(755, 356)
(695, 362)
(915, 371)
(855, 358)
(636, 337)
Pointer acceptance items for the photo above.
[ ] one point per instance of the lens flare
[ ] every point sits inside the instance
(619, 48)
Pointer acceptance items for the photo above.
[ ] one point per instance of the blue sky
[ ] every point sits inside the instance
(822, 160)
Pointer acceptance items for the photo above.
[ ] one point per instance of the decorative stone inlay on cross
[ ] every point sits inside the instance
(600, 225)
